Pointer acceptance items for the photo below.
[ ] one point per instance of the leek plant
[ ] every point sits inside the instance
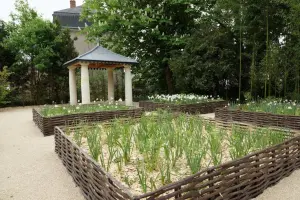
(142, 175)
(215, 140)
(78, 134)
(239, 142)
(94, 139)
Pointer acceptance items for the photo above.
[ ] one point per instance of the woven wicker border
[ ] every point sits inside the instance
(258, 118)
(47, 124)
(244, 178)
(202, 108)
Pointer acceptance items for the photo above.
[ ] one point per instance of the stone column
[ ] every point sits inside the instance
(110, 84)
(128, 86)
(85, 84)
(72, 86)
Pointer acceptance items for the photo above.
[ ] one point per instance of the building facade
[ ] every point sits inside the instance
(70, 18)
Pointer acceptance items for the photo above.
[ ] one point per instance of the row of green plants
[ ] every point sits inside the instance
(183, 98)
(274, 106)
(57, 110)
(155, 150)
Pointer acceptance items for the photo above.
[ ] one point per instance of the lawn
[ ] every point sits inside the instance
(155, 150)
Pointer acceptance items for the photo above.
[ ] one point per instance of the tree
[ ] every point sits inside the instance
(5, 88)
(148, 30)
(41, 48)
(6, 56)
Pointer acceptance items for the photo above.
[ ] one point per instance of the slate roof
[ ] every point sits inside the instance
(102, 55)
(69, 18)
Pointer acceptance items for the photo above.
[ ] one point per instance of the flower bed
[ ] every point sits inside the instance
(183, 103)
(47, 124)
(258, 118)
(242, 178)
(273, 106)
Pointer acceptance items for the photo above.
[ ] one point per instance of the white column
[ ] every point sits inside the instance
(85, 84)
(110, 84)
(128, 86)
(72, 86)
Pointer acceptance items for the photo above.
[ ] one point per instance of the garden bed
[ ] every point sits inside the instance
(259, 118)
(202, 108)
(242, 178)
(47, 124)
(186, 103)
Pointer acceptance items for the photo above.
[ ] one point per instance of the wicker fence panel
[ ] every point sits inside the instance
(94, 182)
(202, 108)
(47, 124)
(259, 118)
(244, 178)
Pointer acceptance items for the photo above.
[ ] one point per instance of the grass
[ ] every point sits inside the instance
(274, 106)
(183, 99)
(56, 110)
(156, 150)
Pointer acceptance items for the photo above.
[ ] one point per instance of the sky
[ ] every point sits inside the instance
(44, 7)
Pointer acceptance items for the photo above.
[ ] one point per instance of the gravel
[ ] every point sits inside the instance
(29, 167)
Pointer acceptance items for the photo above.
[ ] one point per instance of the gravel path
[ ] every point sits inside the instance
(287, 188)
(29, 167)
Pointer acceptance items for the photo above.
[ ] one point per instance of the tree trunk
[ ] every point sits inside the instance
(169, 79)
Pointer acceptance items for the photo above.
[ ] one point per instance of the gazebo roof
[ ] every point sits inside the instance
(100, 54)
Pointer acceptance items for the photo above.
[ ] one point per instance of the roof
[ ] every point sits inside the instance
(100, 54)
(76, 10)
(70, 18)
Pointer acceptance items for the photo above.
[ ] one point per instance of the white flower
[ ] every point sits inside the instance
(97, 99)
(64, 108)
(69, 111)
(289, 107)
(77, 108)
(56, 106)
(94, 101)
(120, 100)
(78, 101)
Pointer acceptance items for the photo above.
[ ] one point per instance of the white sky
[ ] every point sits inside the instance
(43, 7)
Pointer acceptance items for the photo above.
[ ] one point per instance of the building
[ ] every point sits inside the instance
(70, 18)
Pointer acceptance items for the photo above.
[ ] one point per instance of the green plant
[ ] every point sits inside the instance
(128, 181)
(239, 142)
(165, 172)
(5, 87)
(142, 175)
(50, 111)
(93, 140)
(215, 139)
(78, 134)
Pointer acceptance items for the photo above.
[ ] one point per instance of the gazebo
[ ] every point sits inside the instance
(99, 57)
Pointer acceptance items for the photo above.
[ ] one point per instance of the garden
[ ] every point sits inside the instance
(49, 116)
(269, 112)
(187, 103)
(159, 149)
